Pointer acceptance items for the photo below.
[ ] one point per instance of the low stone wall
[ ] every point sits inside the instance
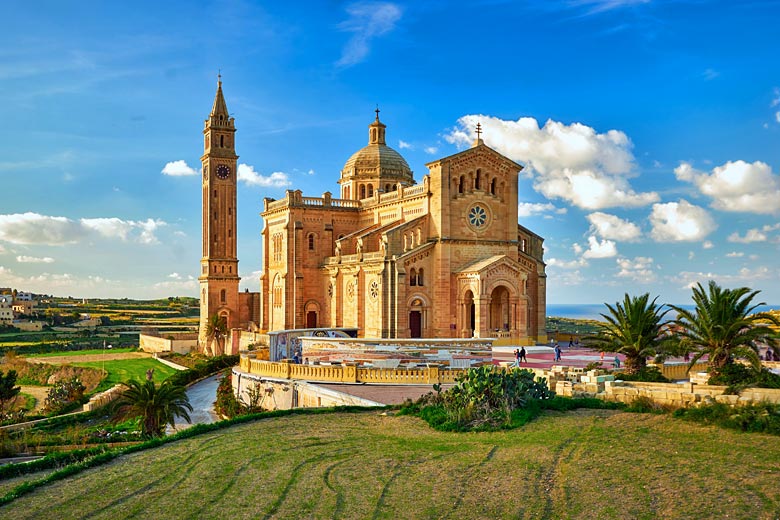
(103, 398)
(178, 342)
(273, 394)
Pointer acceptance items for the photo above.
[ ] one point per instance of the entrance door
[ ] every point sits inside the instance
(415, 324)
(311, 320)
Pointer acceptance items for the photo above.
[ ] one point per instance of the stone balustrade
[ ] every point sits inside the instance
(349, 373)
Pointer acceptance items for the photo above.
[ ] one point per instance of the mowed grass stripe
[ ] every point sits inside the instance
(589, 464)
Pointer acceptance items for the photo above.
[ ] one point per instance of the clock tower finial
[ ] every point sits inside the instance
(219, 264)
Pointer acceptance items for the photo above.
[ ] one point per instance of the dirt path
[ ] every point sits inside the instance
(38, 392)
(108, 356)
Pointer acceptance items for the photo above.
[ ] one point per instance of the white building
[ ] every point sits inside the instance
(6, 310)
(24, 296)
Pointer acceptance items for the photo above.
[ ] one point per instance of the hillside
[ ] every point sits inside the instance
(591, 464)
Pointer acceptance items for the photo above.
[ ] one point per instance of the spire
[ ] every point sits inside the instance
(220, 107)
(376, 130)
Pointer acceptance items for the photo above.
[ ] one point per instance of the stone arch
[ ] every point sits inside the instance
(312, 312)
(418, 307)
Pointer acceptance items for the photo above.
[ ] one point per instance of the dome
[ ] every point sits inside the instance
(377, 161)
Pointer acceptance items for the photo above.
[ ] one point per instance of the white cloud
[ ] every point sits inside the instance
(33, 228)
(248, 174)
(175, 276)
(22, 259)
(735, 254)
(613, 227)
(367, 20)
(710, 74)
(564, 264)
(737, 186)
(571, 162)
(178, 169)
(707, 244)
(745, 276)
(754, 235)
(680, 222)
(600, 249)
(177, 285)
(403, 145)
(576, 248)
(430, 150)
(529, 209)
(640, 269)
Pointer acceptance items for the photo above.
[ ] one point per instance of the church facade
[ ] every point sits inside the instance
(395, 258)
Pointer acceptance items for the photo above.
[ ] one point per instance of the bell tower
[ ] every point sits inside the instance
(219, 263)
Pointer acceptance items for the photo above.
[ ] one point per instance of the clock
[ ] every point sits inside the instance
(223, 171)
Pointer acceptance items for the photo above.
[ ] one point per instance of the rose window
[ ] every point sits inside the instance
(477, 216)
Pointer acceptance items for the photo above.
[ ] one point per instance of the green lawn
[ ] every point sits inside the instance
(123, 370)
(584, 464)
(91, 352)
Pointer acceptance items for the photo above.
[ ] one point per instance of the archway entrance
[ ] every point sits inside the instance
(471, 313)
(311, 319)
(499, 309)
(415, 324)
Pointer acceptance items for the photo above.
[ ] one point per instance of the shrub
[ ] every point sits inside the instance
(64, 395)
(756, 417)
(484, 398)
(646, 374)
(737, 376)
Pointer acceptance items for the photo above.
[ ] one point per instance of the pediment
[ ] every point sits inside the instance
(494, 266)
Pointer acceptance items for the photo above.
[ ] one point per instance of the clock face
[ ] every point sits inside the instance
(223, 171)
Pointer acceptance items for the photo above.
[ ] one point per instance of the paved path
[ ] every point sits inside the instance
(202, 396)
(544, 357)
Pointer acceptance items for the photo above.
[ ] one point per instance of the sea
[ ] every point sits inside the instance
(593, 311)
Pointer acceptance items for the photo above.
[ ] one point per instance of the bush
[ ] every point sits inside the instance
(64, 396)
(202, 368)
(737, 376)
(760, 417)
(646, 375)
(483, 399)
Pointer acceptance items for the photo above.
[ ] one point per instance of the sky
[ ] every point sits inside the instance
(649, 130)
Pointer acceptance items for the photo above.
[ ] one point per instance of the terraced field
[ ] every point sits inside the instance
(589, 464)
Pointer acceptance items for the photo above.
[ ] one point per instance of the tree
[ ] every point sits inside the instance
(8, 389)
(725, 326)
(635, 329)
(157, 406)
(216, 332)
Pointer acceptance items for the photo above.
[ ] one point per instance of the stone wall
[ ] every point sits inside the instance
(178, 342)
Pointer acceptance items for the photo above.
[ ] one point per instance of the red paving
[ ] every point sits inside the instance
(544, 357)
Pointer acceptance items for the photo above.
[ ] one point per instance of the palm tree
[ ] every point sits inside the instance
(216, 332)
(634, 329)
(725, 326)
(158, 406)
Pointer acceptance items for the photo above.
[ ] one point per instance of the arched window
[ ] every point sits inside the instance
(222, 141)
(413, 277)
(460, 184)
(311, 241)
(370, 190)
(420, 277)
(362, 192)
(493, 187)
(477, 179)
(222, 296)
(387, 188)
(419, 236)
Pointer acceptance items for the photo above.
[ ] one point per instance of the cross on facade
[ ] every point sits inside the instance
(479, 130)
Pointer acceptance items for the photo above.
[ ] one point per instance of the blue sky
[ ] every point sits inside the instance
(649, 130)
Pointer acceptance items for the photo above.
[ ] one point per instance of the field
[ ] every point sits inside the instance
(121, 370)
(588, 464)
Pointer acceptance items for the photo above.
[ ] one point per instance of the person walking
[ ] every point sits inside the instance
(522, 355)
(517, 359)
(557, 353)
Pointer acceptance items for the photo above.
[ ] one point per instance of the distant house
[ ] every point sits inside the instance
(6, 310)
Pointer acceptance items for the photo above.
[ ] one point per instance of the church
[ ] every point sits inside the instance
(390, 256)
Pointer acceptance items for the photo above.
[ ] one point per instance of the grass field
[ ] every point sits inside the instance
(91, 352)
(586, 464)
(125, 369)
